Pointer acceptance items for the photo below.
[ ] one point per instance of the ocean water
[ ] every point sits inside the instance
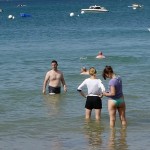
(30, 120)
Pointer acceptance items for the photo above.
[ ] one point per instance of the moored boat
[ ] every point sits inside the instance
(95, 8)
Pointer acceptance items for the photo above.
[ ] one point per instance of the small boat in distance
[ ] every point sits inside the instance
(135, 6)
(21, 5)
(95, 9)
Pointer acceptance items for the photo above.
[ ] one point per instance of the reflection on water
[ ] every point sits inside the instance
(117, 139)
(95, 135)
(53, 103)
(93, 131)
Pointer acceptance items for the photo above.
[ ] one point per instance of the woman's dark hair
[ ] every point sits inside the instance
(107, 70)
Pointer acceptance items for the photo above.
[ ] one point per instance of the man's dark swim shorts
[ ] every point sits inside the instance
(55, 90)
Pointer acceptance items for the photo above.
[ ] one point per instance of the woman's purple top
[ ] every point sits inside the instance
(117, 83)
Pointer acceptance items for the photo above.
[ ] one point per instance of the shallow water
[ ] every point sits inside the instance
(30, 120)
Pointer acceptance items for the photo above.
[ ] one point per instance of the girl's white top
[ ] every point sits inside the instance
(95, 86)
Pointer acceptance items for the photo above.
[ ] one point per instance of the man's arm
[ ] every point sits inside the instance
(63, 83)
(45, 82)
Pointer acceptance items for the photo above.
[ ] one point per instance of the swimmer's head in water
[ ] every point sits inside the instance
(92, 71)
(83, 69)
(100, 53)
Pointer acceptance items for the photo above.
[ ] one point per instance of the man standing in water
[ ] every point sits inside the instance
(55, 78)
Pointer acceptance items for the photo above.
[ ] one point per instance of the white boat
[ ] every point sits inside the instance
(95, 9)
(135, 6)
(21, 5)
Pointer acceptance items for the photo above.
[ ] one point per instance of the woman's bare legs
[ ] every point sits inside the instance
(122, 116)
(87, 113)
(97, 114)
(112, 113)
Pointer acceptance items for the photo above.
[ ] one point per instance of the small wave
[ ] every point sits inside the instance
(83, 58)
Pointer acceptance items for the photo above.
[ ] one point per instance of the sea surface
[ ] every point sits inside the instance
(30, 120)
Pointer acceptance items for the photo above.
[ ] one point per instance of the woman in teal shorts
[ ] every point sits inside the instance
(116, 99)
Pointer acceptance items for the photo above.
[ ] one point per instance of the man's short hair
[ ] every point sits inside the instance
(54, 61)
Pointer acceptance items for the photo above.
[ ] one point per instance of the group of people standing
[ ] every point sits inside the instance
(96, 90)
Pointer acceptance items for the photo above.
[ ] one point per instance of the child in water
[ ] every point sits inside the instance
(84, 71)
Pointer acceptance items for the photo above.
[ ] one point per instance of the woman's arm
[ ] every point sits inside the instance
(79, 89)
(82, 94)
(112, 92)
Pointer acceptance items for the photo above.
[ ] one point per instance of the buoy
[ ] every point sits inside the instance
(82, 12)
(11, 17)
(71, 14)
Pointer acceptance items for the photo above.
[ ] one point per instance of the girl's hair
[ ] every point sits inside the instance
(92, 71)
(107, 70)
